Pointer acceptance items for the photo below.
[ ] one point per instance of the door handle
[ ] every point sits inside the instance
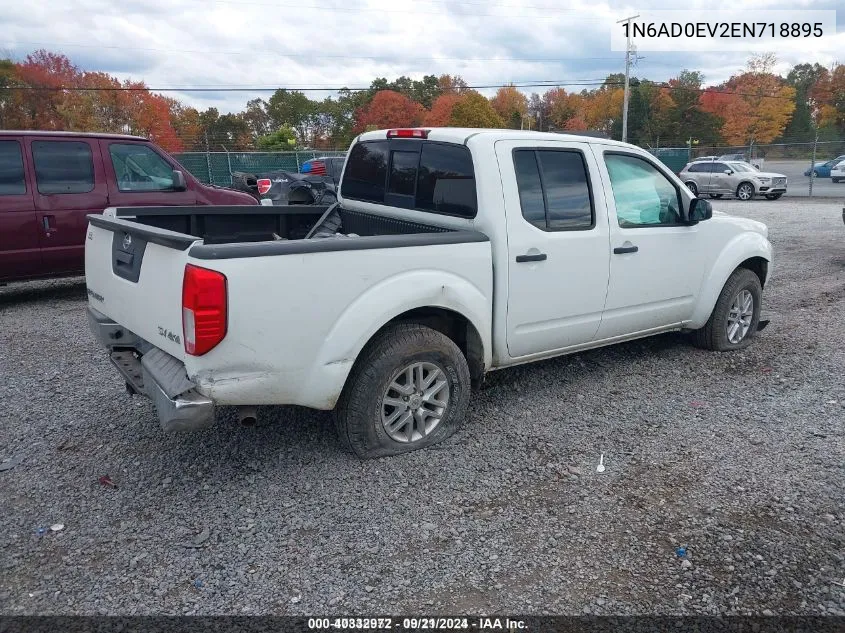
(539, 257)
(46, 221)
(625, 249)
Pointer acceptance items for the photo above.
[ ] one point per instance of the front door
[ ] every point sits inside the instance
(656, 265)
(69, 184)
(20, 254)
(139, 176)
(721, 182)
(558, 262)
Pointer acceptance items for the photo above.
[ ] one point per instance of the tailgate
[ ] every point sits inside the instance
(134, 276)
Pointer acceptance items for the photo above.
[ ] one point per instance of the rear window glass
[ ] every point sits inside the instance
(403, 173)
(12, 180)
(63, 166)
(367, 171)
(446, 180)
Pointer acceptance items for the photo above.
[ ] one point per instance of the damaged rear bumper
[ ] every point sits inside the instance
(149, 371)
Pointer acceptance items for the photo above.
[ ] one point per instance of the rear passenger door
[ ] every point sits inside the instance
(20, 254)
(139, 176)
(69, 184)
(558, 245)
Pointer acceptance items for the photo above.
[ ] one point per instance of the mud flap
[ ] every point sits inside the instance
(761, 324)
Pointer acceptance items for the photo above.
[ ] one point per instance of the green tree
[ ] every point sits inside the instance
(283, 139)
(293, 108)
(474, 110)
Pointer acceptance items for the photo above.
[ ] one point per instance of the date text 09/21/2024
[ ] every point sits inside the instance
(417, 624)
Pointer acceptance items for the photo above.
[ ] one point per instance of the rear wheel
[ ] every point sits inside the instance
(735, 317)
(409, 389)
(773, 196)
(692, 187)
(745, 191)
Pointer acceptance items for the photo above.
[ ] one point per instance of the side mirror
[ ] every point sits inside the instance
(179, 183)
(699, 210)
(729, 172)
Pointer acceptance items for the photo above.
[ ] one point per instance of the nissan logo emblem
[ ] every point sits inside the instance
(127, 241)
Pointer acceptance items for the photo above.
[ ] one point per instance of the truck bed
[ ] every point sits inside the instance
(298, 309)
(237, 224)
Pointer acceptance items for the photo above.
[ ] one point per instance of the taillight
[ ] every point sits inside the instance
(407, 133)
(264, 185)
(203, 309)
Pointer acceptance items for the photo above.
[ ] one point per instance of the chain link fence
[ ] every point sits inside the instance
(216, 168)
(805, 163)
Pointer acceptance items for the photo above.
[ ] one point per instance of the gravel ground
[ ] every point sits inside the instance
(737, 457)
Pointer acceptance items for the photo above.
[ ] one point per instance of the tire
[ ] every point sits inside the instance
(362, 417)
(773, 196)
(835, 180)
(692, 187)
(716, 196)
(714, 335)
(745, 191)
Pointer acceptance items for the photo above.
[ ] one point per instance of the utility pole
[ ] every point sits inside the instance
(627, 77)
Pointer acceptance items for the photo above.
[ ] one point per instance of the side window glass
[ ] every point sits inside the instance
(643, 195)
(446, 180)
(139, 168)
(366, 172)
(530, 187)
(554, 190)
(12, 179)
(63, 166)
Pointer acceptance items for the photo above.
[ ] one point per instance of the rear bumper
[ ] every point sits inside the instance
(151, 372)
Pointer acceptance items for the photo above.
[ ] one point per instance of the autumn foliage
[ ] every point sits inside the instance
(47, 91)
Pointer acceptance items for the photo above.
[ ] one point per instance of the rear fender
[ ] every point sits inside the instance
(378, 306)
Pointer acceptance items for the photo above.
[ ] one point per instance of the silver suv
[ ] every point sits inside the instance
(733, 178)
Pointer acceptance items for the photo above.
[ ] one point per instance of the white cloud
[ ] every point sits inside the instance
(270, 43)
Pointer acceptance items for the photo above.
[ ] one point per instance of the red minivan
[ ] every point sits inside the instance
(49, 182)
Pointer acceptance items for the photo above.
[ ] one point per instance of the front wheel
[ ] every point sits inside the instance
(409, 389)
(773, 196)
(835, 179)
(734, 320)
(745, 191)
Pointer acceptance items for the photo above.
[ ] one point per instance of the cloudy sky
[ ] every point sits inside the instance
(330, 43)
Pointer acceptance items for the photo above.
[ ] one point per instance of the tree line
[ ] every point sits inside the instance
(756, 106)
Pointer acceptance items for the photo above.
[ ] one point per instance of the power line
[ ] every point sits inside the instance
(268, 52)
(538, 84)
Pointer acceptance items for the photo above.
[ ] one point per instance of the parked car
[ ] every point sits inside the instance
(740, 157)
(450, 253)
(279, 188)
(837, 172)
(822, 170)
(331, 166)
(50, 182)
(703, 158)
(719, 178)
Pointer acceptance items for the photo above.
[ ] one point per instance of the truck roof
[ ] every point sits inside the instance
(128, 137)
(462, 135)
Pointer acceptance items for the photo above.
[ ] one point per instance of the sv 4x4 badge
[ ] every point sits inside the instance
(170, 336)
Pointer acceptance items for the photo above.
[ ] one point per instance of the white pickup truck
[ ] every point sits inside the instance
(451, 253)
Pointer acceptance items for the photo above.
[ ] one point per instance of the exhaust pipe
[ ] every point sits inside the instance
(247, 416)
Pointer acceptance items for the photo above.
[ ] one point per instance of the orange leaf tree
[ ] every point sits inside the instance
(389, 109)
(510, 104)
(474, 110)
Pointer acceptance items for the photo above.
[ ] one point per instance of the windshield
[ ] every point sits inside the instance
(741, 167)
